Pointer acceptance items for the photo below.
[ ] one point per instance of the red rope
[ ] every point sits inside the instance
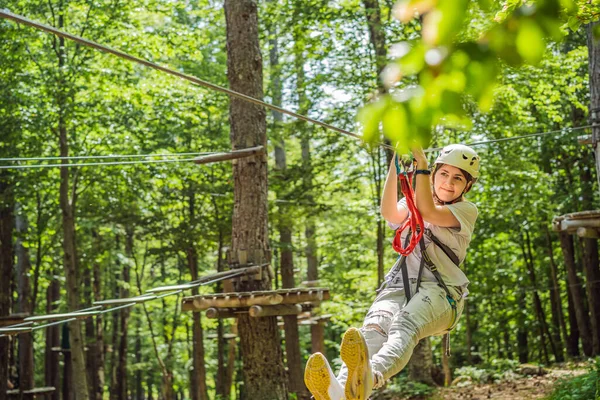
(414, 221)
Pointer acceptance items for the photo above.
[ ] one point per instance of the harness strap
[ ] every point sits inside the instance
(400, 264)
(447, 250)
(404, 270)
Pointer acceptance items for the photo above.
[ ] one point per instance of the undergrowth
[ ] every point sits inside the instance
(583, 387)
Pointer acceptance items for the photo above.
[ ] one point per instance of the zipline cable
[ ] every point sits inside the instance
(429, 150)
(108, 156)
(81, 165)
(507, 139)
(20, 19)
(197, 283)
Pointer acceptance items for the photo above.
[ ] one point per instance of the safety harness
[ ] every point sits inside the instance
(414, 223)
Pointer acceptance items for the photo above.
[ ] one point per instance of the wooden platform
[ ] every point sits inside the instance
(583, 224)
(258, 304)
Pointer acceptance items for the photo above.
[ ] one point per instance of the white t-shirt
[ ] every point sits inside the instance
(457, 239)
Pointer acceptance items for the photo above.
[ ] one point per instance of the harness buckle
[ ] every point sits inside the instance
(451, 301)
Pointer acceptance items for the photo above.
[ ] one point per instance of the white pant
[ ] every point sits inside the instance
(392, 330)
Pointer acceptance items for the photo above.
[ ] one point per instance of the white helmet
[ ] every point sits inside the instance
(460, 156)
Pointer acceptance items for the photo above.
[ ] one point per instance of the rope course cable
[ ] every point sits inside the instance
(526, 136)
(16, 159)
(108, 156)
(81, 165)
(4, 13)
(26, 327)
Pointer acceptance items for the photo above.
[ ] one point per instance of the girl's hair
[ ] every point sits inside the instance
(439, 201)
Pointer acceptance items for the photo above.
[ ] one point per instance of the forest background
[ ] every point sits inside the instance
(137, 226)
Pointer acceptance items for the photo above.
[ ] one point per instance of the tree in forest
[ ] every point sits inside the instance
(259, 336)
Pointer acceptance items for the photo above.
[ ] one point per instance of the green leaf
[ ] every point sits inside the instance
(369, 117)
(574, 23)
(530, 42)
(413, 62)
(452, 16)
(395, 124)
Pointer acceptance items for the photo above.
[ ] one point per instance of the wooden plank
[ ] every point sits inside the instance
(584, 139)
(588, 232)
(573, 224)
(280, 309)
(235, 154)
(201, 303)
(589, 214)
(315, 295)
(248, 299)
(223, 313)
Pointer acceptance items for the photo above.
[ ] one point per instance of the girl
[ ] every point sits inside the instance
(423, 294)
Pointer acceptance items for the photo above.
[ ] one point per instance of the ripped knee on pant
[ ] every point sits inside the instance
(378, 321)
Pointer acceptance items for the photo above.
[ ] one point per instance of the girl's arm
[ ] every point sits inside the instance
(389, 201)
(436, 215)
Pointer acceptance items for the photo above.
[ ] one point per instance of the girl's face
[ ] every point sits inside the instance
(449, 183)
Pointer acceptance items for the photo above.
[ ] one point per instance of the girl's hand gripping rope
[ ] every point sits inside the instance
(414, 220)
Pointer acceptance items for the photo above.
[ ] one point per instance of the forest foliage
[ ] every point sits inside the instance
(144, 217)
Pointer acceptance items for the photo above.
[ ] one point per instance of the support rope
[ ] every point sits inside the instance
(20, 19)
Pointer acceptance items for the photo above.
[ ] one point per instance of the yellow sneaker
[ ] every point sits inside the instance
(320, 380)
(355, 355)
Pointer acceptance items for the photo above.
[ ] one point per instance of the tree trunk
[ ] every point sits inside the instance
(311, 250)
(568, 250)
(97, 350)
(26, 371)
(558, 321)
(594, 71)
(592, 277)
(469, 332)
(264, 375)
(67, 391)
(51, 358)
(67, 206)
(573, 336)
(116, 327)
(139, 387)
(537, 303)
(292, 340)
(150, 390)
(224, 378)
(421, 363)
(376, 36)
(121, 383)
(6, 266)
(317, 331)
(231, 357)
(200, 391)
(378, 43)
(522, 342)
